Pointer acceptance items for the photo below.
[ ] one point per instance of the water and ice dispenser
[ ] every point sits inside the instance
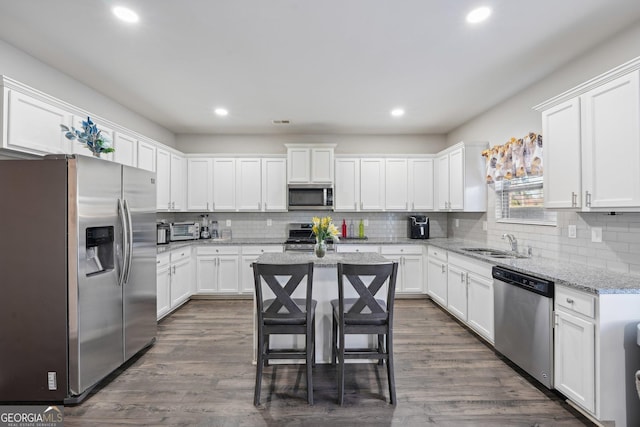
(99, 249)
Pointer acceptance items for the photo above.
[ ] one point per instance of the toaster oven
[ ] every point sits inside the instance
(184, 231)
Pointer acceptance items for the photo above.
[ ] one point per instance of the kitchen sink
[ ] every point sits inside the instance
(494, 253)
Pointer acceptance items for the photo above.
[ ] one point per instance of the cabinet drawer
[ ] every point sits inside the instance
(218, 250)
(180, 254)
(401, 250)
(437, 253)
(578, 302)
(259, 250)
(162, 260)
(348, 248)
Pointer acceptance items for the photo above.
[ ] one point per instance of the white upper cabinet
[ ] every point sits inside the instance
(224, 184)
(461, 182)
(420, 192)
(170, 177)
(274, 184)
(322, 165)
(346, 195)
(178, 180)
(163, 179)
(396, 185)
(126, 149)
(372, 184)
(310, 164)
(562, 147)
(200, 184)
(248, 184)
(33, 126)
(611, 144)
(146, 156)
(592, 143)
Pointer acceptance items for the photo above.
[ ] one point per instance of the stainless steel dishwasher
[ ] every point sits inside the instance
(523, 311)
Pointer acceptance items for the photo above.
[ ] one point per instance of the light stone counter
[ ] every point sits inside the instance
(331, 259)
(577, 276)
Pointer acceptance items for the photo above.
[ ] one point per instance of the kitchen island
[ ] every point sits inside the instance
(325, 289)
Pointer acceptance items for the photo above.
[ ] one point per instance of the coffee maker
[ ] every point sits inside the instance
(418, 227)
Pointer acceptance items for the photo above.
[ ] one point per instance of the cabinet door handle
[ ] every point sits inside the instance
(406, 206)
(461, 277)
(442, 266)
(173, 205)
(169, 206)
(361, 205)
(556, 323)
(265, 206)
(587, 198)
(570, 301)
(355, 206)
(574, 199)
(207, 205)
(174, 269)
(213, 206)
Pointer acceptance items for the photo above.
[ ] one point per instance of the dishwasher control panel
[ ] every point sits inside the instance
(534, 284)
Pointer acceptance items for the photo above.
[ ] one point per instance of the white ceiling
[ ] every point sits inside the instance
(330, 66)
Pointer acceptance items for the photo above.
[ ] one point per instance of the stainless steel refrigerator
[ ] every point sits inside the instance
(77, 274)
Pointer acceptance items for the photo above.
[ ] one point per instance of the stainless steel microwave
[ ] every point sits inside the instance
(314, 197)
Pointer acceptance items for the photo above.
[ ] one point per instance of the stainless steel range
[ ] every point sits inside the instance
(300, 238)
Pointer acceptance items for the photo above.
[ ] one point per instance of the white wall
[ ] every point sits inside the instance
(620, 248)
(26, 69)
(346, 144)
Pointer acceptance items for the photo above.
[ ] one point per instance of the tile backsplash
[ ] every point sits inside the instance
(619, 250)
(382, 225)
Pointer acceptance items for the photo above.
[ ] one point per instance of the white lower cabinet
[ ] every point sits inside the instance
(463, 286)
(480, 303)
(181, 277)
(456, 289)
(574, 347)
(249, 255)
(410, 260)
(437, 275)
(163, 283)
(217, 270)
(348, 248)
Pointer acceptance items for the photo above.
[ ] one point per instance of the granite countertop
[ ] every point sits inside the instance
(331, 259)
(578, 276)
(280, 241)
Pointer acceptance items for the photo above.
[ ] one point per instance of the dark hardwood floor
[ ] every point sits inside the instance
(199, 373)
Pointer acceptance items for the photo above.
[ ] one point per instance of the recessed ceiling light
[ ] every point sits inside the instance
(478, 15)
(397, 112)
(221, 111)
(125, 14)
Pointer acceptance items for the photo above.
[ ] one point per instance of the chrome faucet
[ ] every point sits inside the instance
(512, 241)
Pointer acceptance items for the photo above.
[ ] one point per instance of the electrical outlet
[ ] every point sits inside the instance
(572, 231)
(484, 226)
(228, 223)
(596, 234)
(269, 222)
(366, 222)
(457, 223)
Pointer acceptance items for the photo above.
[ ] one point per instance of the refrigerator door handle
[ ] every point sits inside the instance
(129, 257)
(125, 242)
